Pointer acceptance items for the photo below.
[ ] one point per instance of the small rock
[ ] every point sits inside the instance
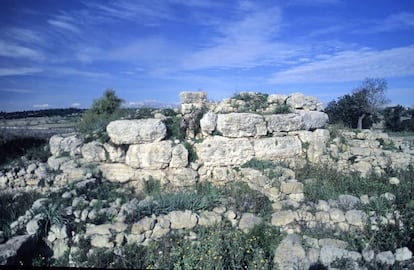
(356, 218)
(368, 254)
(60, 231)
(348, 201)
(135, 238)
(159, 231)
(84, 214)
(336, 215)
(60, 246)
(101, 241)
(248, 221)
(39, 203)
(364, 199)
(394, 181)
(145, 224)
(182, 219)
(385, 257)
(290, 254)
(35, 225)
(209, 218)
(323, 205)
(282, 218)
(388, 196)
(403, 254)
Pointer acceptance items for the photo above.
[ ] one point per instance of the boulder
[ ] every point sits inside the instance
(274, 148)
(290, 254)
(143, 225)
(179, 156)
(221, 151)
(182, 177)
(248, 221)
(238, 125)
(209, 218)
(385, 258)
(182, 219)
(313, 119)
(136, 131)
(284, 217)
(300, 101)
(403, 254)
(208, 122)
(65, 144)
(93, 152)
(284, 122)
(156, 155)
(117, 172)
(188, 97)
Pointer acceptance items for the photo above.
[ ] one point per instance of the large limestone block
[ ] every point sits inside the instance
(290, 254)
(136, 131)
(238, 125)
(313, 119)
(182, 219)
(156, 155)
(117, 172)
(220, 151)
(274, 148)
(316, 143)
(208, 122)
(284, 122)
(179, 156)
(300, 101)
(188, 97)
(182, 177)
(93, 152)
(60, 144)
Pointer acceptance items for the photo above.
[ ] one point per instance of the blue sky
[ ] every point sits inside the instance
(56, 53)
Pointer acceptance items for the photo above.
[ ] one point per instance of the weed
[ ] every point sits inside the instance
(192, 154)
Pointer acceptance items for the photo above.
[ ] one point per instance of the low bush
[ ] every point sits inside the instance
(217, 247)
(32, 148)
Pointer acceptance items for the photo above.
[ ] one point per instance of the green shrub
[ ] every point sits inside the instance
(244, 199)
(205, 197)
(32, 148)
(103, 111)
(217, 247)
(254, 102)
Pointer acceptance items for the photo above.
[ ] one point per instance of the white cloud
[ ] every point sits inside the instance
(42, 106)
(351, 66)
(18, 71)
(64, 25)
(24, 35)
(17, 51)
(72, 71)
(245, 42)
(75, 105)
(16, 90)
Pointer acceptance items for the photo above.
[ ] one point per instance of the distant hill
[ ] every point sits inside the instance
(41, 113)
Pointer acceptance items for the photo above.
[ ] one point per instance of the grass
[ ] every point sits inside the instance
(12, 206)
(328, 184)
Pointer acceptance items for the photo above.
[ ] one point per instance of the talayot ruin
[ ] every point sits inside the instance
(288, 130)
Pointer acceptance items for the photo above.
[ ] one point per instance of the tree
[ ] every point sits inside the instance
(103, 110)
(359, 108)
(392, 118)
(108, 104)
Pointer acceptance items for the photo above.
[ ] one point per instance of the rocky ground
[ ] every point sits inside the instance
(260, 191)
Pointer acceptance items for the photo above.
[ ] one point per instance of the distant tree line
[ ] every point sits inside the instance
(41, 113)
(365, 106)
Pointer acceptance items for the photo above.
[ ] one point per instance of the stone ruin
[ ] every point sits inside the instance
(221, 137)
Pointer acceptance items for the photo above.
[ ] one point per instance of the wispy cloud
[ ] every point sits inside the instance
(19, 71)
(245, 42)
(64, 25)
(73, 71)
(148, 12)
(16, 90)
(42, 106)
(17, 51)
(314, 2)
(351, 66)
(24, 35)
